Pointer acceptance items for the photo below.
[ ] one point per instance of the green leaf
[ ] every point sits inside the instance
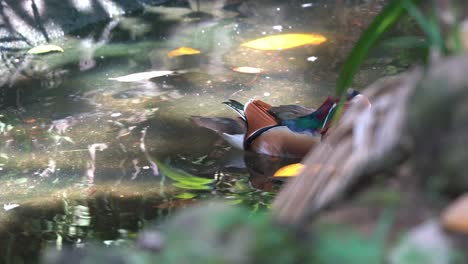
(42, 49)
(185, 195)
(183, 179)
(236, 201)
(191, 186)
(379, 26)
(456, 34)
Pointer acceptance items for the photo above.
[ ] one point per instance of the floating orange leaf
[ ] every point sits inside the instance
(246, 69)
(289, 170)
(285, 41)
(182, 51)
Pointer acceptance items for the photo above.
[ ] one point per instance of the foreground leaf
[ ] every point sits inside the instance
(42, 49)
(285, 41)
(141, 76)
(182, 51)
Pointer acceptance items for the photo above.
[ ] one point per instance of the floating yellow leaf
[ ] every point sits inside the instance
(42, 49)
(285, 41)
(246, 69)
(141, 76)
(182, 51)
(289, 170)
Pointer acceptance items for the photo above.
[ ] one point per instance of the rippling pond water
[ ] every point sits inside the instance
(86, 157)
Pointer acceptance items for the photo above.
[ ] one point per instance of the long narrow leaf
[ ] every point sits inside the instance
(192, 186)
(456, 37)
(183, 178)
(429, 26)
(405, 42)
(456, 31)
(381, 23)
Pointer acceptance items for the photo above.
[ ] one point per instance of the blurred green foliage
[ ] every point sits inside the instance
(220, 233)
(434, 39)
(374, 32)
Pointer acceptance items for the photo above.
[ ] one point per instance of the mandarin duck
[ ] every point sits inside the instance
(289, 131)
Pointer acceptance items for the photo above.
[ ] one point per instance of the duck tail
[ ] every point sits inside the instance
(237, 107)
(220, 124)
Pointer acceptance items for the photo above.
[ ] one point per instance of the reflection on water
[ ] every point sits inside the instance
(78, 151)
